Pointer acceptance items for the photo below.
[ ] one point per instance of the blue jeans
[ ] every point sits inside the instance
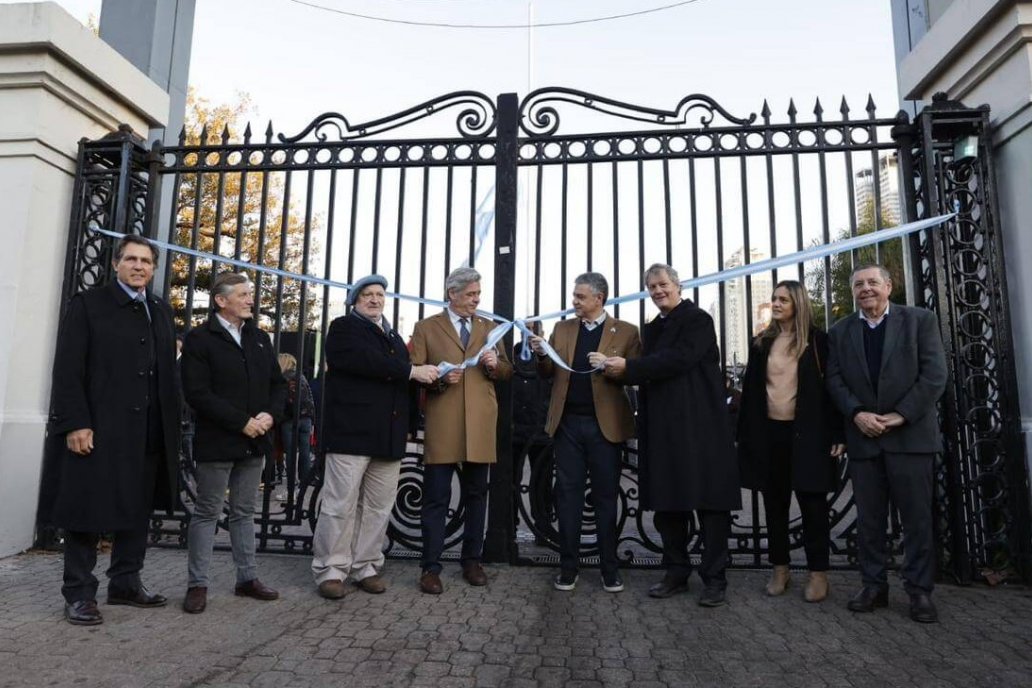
(213, 477)
(300, 463)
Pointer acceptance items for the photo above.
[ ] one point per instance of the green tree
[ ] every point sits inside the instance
(238, 217)
(842, 268)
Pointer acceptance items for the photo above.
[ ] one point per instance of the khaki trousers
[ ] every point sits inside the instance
(357, 496)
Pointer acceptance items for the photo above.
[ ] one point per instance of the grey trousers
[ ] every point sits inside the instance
(907, 480)
(213, 478)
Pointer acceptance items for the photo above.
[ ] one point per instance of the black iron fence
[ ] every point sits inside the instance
(518, 193)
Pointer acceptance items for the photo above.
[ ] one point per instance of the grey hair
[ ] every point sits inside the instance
(224, 283)
(886, 275)
(458, 279)
(657, 268)
(596, 281)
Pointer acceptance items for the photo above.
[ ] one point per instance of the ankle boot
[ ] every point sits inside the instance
(816, 587)
(779, 579)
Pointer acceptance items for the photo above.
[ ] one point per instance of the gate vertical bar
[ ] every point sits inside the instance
(500, 541)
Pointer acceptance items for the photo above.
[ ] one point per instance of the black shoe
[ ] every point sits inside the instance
(922, 609)
(611, 582)
(868, 599)
(565, 581)
(713, 596)
(83, 613)
(671, 585)
(137, 598)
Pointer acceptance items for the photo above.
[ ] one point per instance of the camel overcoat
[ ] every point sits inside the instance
(461, 419)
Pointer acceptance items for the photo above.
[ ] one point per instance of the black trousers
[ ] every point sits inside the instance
(581, 450)
(907, 480)
(127, 550)
(437, 484)
(777, 499)
(673, 527)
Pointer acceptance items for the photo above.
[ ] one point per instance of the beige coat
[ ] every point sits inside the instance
(612, 409)
(461, 419)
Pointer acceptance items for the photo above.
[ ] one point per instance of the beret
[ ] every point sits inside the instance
(361, 284)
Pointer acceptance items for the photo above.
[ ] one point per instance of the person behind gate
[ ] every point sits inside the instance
(687, 455)
(369, 403)
(886, 371)
(461, 420)
(789, 435)
(232, 380)
(589, 417)
(113, 449)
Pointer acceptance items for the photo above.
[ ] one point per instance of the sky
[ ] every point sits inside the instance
(296, 61)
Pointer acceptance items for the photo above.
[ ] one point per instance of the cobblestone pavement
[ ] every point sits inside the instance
(515, 632)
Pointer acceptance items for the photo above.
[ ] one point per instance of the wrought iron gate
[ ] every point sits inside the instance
(517, 192)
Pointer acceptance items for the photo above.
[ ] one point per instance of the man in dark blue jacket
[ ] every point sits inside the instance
(368, 400)
(233, 383)
(886, 371)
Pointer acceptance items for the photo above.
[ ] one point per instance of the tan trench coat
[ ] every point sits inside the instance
(461, 419)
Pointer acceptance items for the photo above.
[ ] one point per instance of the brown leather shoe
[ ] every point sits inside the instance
(430, 583)
(256, 589)
(196, 600)
(83, 613)
(373, 584)
(332, 589)
(474, 574)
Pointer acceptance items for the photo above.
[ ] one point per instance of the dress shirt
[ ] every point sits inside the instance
(140, 296)
(456, 321)
(233, 330)
(874, 323)
(590, 325)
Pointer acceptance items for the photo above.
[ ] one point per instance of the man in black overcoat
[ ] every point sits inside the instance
(233, 383)
(687, 457)
(114, 431)
(886, 371)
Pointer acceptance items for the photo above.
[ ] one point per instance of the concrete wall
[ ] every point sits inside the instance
(980, 51)
(58, 83)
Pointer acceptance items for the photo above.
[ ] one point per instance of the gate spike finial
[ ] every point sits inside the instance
(268, 133)
(818, 110)
(204, 135)
(870, 105)
(765, 112)
(247, 133)
(792, 109)
(225, 134)
(182, 135)
(844, 109)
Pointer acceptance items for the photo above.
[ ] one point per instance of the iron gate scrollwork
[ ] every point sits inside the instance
(697, 186)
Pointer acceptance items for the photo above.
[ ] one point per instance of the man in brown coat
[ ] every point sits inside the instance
(589, 417)
(461, 420)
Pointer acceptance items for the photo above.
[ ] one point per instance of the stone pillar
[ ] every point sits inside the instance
(58, 83)
(979, 52)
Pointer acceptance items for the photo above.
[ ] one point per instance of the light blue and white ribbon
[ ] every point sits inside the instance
(500, 330)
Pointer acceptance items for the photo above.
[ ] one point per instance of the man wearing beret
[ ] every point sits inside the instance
(369, 402)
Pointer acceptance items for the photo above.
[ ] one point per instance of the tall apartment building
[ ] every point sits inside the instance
(888, 189)
(740, 327)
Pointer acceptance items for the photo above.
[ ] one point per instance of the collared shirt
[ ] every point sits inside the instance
(457, 324)
(140, 296)
(233, 330)
(590, 325)
(874, 323)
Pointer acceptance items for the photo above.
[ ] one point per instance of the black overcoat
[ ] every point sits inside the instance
(818, 424)
(687, 456)
(226, 385)
(369, 400)
(101, 381)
